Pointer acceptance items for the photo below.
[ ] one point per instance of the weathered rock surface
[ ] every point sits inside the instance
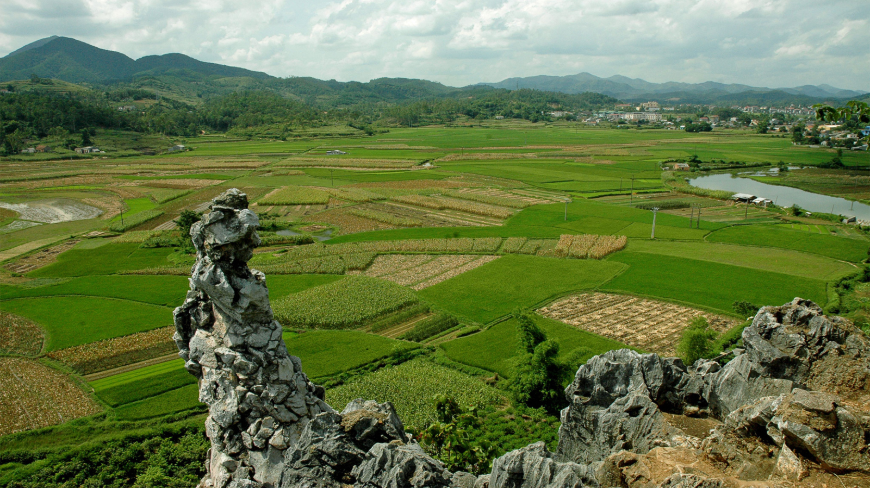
(259, 399)
(535, 467)
(768, 417)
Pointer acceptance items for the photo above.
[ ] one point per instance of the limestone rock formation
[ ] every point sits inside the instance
(787, 406)
(259, 399)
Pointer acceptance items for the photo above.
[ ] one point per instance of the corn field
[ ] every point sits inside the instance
(19, 335)
(386, 218)
(455, 204)
(344, 304)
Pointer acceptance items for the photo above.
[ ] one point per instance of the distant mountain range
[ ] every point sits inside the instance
(634, 89)
(70, 60)
(188, 79)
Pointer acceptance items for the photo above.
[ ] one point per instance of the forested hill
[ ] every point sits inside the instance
(74, 61)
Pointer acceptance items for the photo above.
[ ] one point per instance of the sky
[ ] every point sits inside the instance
(775, 43)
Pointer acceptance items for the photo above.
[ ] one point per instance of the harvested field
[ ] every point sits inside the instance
(349, 223)
(411, 184)
(588, 246)
(19, 335)
(33, 395)
(120, 351)
(347, 163)
(295, 195)
(40, 258)
(172, 183)
(53, 211)
(646, 324)
(420, 271)
(456, 204)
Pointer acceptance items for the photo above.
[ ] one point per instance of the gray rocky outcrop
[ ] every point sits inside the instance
(258, 397)
(788, 398)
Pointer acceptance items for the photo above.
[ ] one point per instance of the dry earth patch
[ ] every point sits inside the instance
(650, 325)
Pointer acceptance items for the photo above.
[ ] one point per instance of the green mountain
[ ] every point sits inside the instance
(74, 61)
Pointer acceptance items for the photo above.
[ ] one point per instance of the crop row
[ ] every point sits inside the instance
(346, 303)
(329, 264)
(588, 246)
(347, 163)
(120, 351)
(358, 195)
(460, 245)
(455, 204)
(430, 326)
(134, 220)
(295, 195)
(500, 201)
(386, 218)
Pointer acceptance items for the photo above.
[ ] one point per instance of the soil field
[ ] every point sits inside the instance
(646, 324)
(120, 351)
(33, 395)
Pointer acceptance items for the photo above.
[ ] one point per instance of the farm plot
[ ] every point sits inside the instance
(348, 222)
(466, 206)
(647, 324)
(343, 304)
(120, 351)
(411, 386)
(40, 258)
(420, 271)
(33, 395)
(588, 246)
(19, 335)
(347, 163)
(53, 211)
(295, 195)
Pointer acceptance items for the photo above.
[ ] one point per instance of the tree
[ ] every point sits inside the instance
(86, 137)
(34, 79)
(185, 220)
(744, 309)
(451, 437)
(797, 134)
(538, 373)
(853, 108)
(696, 342)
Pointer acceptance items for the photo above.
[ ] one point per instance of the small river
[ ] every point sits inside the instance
(785, 196)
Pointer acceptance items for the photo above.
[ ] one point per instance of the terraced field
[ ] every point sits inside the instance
(646, 324)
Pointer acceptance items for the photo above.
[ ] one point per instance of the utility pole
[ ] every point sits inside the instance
(632, 190)
(692, 210)
(746, 208)
(698, 218)
(653, 229)
(566, 211)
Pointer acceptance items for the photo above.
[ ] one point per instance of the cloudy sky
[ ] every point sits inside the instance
(458, 42)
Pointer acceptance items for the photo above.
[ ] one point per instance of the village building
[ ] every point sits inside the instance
(176, 148)
(336, 151)
(88, 150)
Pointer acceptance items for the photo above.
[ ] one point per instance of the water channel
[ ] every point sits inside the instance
(784, 196)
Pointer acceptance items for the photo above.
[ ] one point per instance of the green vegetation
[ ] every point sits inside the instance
(158, 290)
(328, 352)
(538, 374)
(496, 288)
(430, 327)
(71, 321)
(696, 342)
(296, 195)
(172, 401)
(451, 437)
(111, 258)
(411, 386)
(344, 304)
(495, 348)
(706, 284)
(142, 383)
(782, 236)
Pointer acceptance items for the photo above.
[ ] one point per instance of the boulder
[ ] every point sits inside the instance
(535, 467)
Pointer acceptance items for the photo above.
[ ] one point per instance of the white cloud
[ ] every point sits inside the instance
(458, 42)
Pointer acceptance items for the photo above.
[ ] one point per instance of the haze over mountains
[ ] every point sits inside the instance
(74, 61)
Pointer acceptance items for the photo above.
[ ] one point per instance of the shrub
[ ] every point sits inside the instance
(745, 309)
(696, 342)
(429, 327)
